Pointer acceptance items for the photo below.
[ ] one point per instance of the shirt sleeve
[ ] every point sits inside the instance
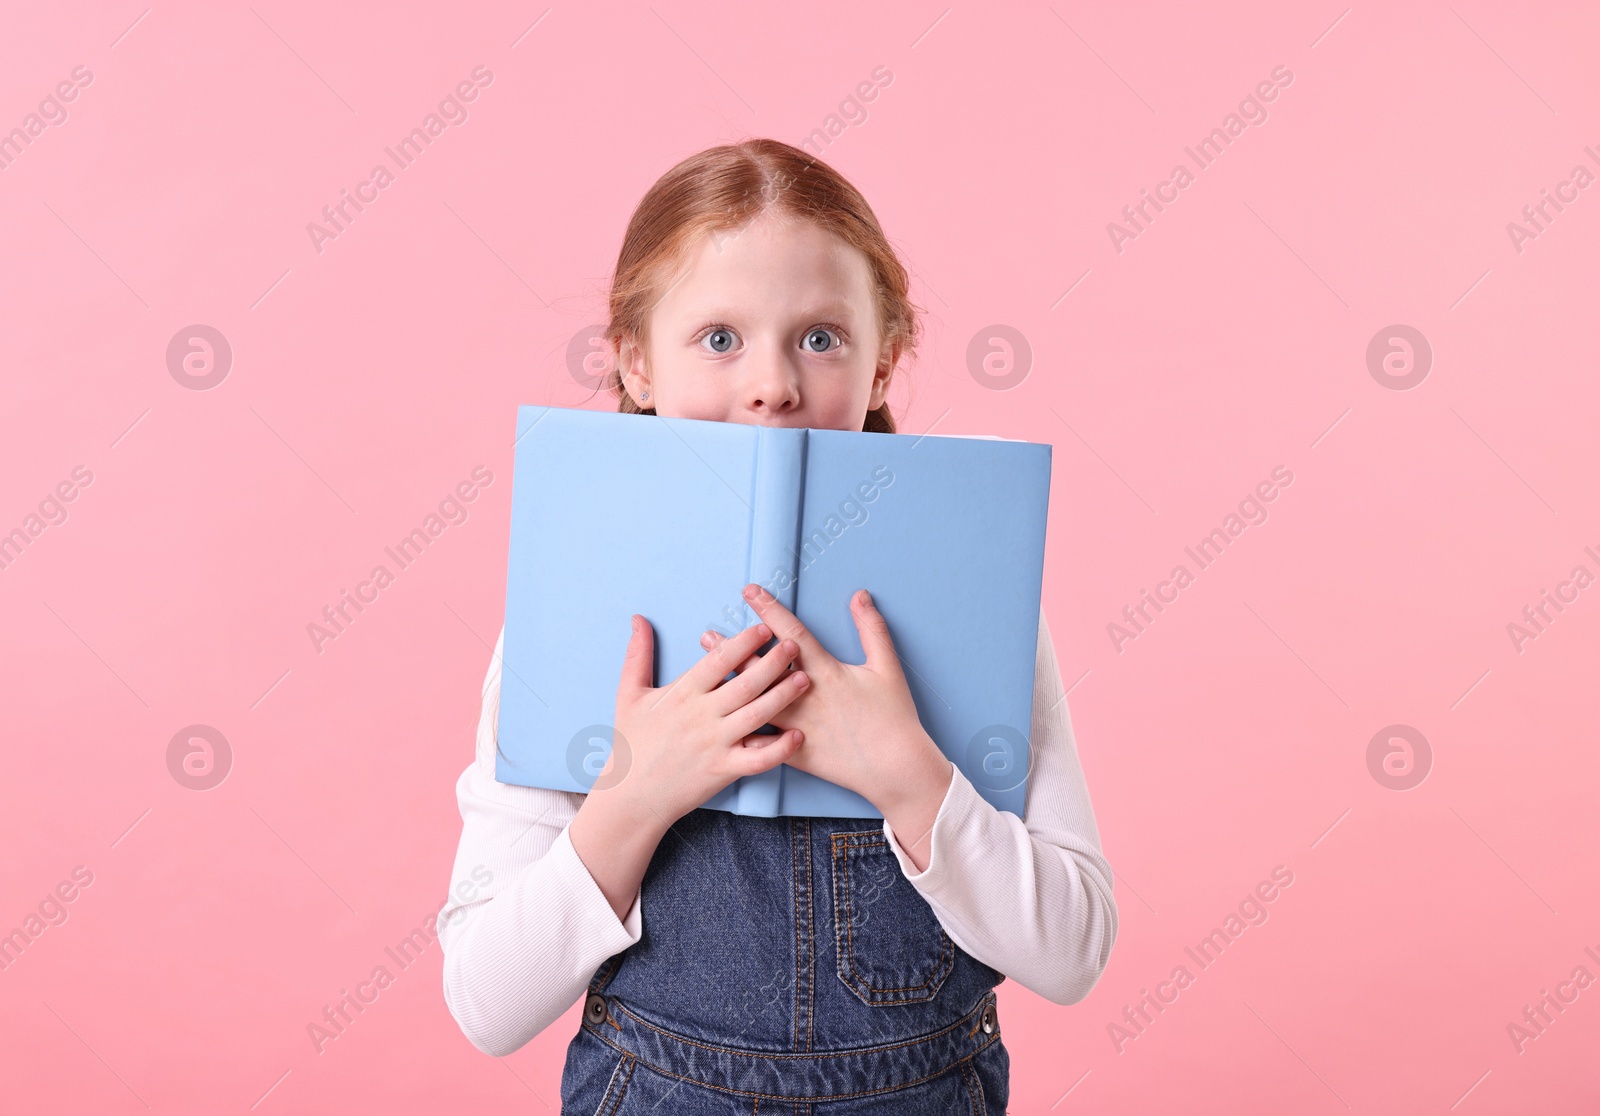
(1032, 899)
(526, 926)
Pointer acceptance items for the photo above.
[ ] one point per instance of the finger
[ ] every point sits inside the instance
(637, 666)
(712, 638)
(748, 757)
(709, 672)
(760, 710)
(749, 684)
(873, 629)
(784, 624)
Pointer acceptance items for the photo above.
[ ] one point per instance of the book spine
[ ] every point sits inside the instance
(774, 525)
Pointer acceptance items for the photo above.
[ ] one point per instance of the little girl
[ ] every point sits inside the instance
(732, 964)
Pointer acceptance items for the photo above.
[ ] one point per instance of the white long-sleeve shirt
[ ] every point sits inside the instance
(527, 926)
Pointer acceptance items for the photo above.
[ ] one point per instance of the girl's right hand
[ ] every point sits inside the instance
(675, 746)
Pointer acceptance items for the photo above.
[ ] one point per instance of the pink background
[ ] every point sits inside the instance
(1228, 339)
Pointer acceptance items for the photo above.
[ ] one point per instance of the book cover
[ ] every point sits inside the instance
(617, 513)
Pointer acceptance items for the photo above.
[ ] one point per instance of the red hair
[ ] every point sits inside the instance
(725, 188)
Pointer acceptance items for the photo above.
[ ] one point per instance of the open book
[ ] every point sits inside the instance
(616, 513)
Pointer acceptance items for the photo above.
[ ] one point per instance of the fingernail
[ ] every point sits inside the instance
(866, 597)
(749, 592)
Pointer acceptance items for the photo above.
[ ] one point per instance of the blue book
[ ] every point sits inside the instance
(614, 513)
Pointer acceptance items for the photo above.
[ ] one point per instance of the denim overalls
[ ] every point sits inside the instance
(786, 965)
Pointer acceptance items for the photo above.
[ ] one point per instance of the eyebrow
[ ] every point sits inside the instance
(831, 310)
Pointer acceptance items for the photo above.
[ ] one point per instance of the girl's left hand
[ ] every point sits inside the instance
(860, 723)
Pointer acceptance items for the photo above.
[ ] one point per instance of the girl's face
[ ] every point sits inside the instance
(772, 325)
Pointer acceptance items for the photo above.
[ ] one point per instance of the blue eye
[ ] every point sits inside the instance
(822, 332)
(721, 339)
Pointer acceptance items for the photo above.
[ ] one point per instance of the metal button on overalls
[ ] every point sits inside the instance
(594, 1008)
(987, 1020)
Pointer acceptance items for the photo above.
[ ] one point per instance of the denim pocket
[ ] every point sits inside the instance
(889, 944)
(596, 1076)
(992, 1070)
(616, 1088)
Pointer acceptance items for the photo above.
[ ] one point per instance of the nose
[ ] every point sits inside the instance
(771, 384)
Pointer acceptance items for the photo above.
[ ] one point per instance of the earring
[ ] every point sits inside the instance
(643, 396)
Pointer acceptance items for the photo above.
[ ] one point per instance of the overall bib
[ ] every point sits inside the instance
(786, 966)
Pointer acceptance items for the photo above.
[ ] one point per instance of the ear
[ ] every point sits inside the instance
(881, 377)
(630, 364)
